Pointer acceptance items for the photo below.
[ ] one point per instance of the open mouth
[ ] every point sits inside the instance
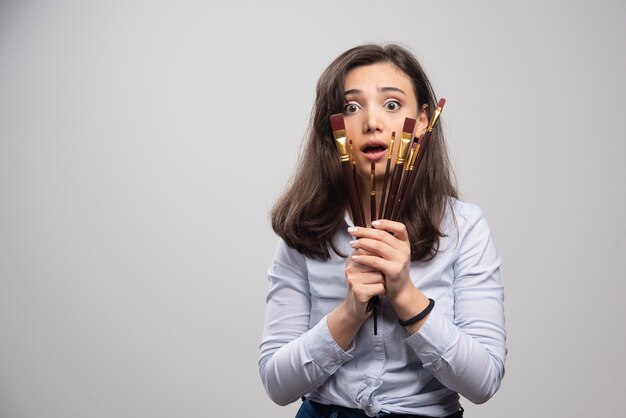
(374, 151)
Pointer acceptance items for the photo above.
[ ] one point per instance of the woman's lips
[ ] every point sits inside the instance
(374, 153)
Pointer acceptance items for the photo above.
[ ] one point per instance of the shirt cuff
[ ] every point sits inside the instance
(434, 337)
(323, 349)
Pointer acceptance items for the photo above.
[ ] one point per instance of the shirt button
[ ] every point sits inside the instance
(338, 361)
(377, 348)
(368, 381)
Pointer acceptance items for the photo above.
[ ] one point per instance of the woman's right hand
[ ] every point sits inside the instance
(363, 283)
(347, 318)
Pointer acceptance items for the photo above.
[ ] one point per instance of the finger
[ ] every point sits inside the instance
(374, 262)
(359, 268)
(368, 246)
(357, 280)
(354, 267)
(359, 251)
(382, 236)
(377, 234)
(389, 269)
(356, 270)
(398, 229)
(364, 293)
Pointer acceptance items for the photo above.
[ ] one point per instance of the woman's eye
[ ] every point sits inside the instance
(350, 108)
(392, 105)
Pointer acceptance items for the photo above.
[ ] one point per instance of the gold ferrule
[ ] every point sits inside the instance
(352, 154)
(341, 143)
(413, 156)
(405, 146)
(411, 160)
(393, 139)
(433, 122)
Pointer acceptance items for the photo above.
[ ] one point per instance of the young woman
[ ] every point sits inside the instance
(318, 340)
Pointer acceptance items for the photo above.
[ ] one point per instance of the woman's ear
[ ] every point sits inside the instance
(422, 121)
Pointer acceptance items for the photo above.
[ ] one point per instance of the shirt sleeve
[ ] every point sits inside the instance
(467, 355)
(294, 360)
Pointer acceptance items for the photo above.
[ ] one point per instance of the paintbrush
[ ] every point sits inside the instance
(339, 133)
(375, 301)
(386, 178)
(408, 167)
(356, 183)
(403, 151)
(372, 192)
(421, 149)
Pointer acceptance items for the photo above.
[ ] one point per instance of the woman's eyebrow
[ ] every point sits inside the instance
(394, 89)
(352, 91)
(382, 89)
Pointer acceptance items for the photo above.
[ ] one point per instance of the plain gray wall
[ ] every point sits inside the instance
(142, 144)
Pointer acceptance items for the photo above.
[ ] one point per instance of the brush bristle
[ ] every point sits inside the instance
(441, 103)
(336, 121)
(409, 124)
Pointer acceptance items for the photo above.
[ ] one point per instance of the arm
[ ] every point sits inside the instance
(294, 360)
(466, 354)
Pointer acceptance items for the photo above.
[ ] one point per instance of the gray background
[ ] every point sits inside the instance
(142, 144)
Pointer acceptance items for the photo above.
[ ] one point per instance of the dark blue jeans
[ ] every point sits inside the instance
(310, 409)
(315, 410)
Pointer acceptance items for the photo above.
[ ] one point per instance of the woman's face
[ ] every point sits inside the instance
(378, 97)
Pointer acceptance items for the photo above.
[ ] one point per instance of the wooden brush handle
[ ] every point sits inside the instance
(405, 194)
(384, 193)
(352, 193)
(411, 177)
(393, 190)
(399, 195)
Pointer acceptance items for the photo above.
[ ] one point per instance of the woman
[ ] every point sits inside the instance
(318, 339)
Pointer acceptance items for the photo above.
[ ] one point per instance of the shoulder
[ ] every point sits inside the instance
(287, 258)
(463, 219)
(463, 210)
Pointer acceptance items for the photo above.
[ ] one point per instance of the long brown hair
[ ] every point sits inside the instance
(312, 208)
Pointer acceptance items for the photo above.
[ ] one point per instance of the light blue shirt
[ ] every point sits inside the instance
(460, 348)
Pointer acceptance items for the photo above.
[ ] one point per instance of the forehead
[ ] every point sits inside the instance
(373, 77)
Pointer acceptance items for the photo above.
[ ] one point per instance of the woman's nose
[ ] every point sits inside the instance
(373, 121)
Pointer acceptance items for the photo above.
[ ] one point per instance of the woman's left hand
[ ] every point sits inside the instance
(388, 250)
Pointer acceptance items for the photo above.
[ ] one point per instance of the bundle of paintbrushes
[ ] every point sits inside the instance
(396, 203)
(395, 193)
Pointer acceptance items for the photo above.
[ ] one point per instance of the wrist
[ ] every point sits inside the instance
(419, 317)
(409, 303)
(343, 325)
(348, 315)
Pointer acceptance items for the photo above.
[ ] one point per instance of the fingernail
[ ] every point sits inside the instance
(355, 257)
(353, 243)
(352, 229)
(376, 223)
